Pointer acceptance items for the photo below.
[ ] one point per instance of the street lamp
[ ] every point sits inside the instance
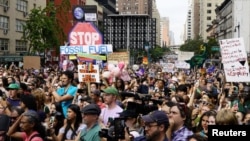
(237, 28)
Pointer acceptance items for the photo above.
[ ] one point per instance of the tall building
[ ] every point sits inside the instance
(157, 16)
(195, 18)
(13, 16)
(109, 7)
(188, 28)
(134, 7)
(171, 36)
(130, 31)
(165, 40)
(207, 15)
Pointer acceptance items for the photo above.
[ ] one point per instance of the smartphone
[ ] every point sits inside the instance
(119, 126)
(51, 121)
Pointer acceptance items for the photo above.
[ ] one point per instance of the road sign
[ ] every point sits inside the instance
(85, 33)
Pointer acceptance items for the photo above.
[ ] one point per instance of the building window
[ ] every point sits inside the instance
(209, 4)
(4, 22)
(21, 45)
(19, 25)
(4, 2)
(208, 11)
(22, 5)
(4, 44)
(208, 18)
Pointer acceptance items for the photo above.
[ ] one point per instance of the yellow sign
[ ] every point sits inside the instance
(115, 57)
(91, 56)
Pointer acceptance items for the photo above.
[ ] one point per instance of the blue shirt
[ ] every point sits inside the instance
(65, 104)
(181, 134)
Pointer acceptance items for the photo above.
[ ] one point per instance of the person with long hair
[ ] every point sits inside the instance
(72, 126)
(31, 127)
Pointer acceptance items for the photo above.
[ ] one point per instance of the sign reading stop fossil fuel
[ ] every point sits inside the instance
(85, 33)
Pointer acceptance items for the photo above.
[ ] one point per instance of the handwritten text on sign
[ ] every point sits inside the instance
(88, 73)
(234, 59)
(116, 57)
(90, 49)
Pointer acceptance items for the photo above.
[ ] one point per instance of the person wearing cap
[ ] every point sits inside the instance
(13, 99)
(90, 114)
(95, 96)
(156, 125)
(112, 110)
(130, 115)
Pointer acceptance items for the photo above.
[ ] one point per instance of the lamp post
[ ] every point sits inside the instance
(237, 28)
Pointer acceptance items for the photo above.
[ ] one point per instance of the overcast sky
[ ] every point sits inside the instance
(176, 10)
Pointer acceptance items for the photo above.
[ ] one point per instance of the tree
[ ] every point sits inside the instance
(156, 53)
(41, 30)
(192, 45)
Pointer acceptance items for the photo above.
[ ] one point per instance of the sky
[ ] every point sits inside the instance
(176, 11)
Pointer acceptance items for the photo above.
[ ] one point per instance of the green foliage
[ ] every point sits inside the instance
(192, 45)
(40, 30)
(157, 53)
(44, 27)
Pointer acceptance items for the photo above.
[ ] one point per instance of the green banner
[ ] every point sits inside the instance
(91, 56)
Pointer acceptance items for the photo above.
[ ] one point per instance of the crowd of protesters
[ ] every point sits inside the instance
(49, 104)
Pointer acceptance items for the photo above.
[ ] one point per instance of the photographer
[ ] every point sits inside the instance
(156, 125)
(130, 118)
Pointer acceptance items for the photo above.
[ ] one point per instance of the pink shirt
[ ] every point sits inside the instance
(27, 138)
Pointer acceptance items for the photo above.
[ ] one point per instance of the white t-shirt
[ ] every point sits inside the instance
(107, 113)
(70, 132)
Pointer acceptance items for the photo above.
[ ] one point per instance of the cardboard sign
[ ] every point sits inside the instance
(116, 57)
(31, 62)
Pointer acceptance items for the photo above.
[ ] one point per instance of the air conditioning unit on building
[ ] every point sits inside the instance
(5, 31)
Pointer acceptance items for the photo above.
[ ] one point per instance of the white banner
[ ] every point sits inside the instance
(182, 56)
(234, 59)
(182, 65)
(90, 49)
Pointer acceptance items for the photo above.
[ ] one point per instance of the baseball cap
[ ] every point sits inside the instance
(13, 86)
(92, 109)
(159, 117)
(111, 90)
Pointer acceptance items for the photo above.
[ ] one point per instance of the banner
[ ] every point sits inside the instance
(89, 49)
(234, 59)
(91, 56)
(116, 57)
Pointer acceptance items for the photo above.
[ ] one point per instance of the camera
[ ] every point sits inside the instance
(115, 130)
(119, 126)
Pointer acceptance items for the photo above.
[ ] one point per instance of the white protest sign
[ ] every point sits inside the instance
(182, 65)
(88, 73)
(234, 59)
(183, 55)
